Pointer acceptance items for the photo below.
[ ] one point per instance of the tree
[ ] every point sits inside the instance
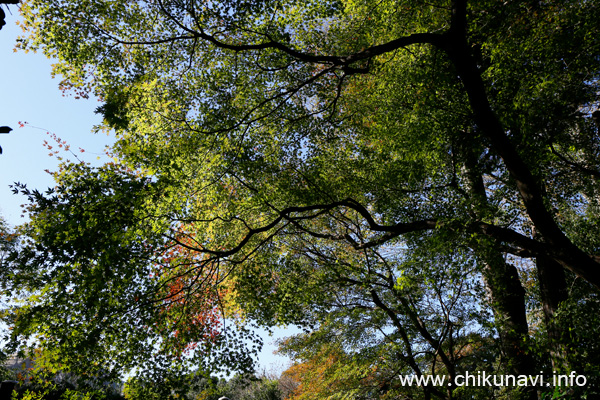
(136, 307)
(278, 138)
(8, 241)
(199, 387)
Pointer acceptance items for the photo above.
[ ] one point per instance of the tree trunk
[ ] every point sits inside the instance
(508, 304)
(506, 292)
(553, 291)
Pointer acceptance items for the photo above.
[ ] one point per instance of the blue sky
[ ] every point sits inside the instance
(29, 94)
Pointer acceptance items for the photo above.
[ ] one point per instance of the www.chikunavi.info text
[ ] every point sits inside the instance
(482, 378)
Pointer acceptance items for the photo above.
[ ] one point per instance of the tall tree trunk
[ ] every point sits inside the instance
(508, 303)
(506, 292)
(553, 291)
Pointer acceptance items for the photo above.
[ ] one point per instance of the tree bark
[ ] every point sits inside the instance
(508, 303)
(507, 296)
(553, 291)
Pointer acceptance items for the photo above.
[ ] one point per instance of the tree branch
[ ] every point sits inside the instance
(455, 45)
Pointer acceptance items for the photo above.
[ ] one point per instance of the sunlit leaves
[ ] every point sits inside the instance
(280, 150)
(105, 281)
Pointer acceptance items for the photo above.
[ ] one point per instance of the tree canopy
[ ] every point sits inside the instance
(416, 184)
